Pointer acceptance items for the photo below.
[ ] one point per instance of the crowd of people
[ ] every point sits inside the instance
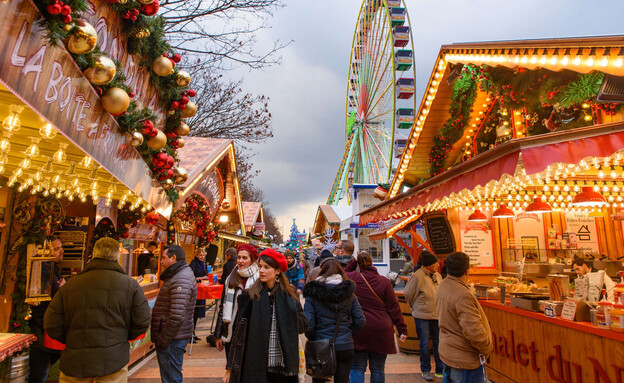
(268, 300)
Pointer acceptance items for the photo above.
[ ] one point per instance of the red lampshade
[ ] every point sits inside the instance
(538, 206)
(477, 216)
(503, 212)
(588, 197)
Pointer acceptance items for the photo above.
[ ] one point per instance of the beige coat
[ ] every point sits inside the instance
(464, 329)
(420, 293)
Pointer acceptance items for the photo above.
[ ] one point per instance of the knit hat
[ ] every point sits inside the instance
(290, 253)
(277, 257)
(326, 254)
(250, 249)
(428, 259)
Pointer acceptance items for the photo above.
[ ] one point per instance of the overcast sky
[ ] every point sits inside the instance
(308, 89)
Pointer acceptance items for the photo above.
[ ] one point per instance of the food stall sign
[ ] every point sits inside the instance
(46, 78)
(476, 240)
(211, 188)
(259, 228)
(584, 226)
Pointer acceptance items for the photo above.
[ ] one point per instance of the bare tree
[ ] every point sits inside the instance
(225, 112)
(271, 226)
(220, 33)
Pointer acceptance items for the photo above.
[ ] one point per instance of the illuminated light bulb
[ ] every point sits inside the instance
(5, 143)
(108, 202)
(590, 61)
(524, 59)
(613, 174)
(601, 174)
(3, 158)
(618, 62)
(33, 149)
(605, 189)
(38, 176)
(60, 156)
(86, 162)
(576, 61)
(12, 122)
(533, 60)
(18, 172)
(46, 192)
(47, 131)
(565, 60)
(543, 60)
(553, 61)
(603, 62)
(70, 197)
(588, 117)
(94, 185)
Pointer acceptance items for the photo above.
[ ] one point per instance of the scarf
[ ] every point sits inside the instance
(230, 301)
(335, 279)
(276, 357)
(172, 270)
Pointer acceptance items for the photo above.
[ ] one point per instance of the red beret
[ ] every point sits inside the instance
(250, 249)
(277, 257)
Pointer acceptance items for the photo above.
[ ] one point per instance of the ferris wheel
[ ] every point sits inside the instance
(380, 101)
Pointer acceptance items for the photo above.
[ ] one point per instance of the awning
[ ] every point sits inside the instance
(523, 156)
(388, 228)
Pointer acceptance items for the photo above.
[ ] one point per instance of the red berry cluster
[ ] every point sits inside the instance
(163, 163)
(184, 99)
(608, 108)
(149, 129)
(131, 14)
(60, 8)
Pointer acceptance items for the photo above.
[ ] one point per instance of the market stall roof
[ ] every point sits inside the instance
(252, 212)
(211, 168)
(509, 168)
(330, 214)
(581, 55)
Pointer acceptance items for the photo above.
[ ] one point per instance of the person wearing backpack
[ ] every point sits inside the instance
(383, 315)
(333, 312)
(294, 274)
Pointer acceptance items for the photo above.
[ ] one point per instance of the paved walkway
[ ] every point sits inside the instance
(206, 364)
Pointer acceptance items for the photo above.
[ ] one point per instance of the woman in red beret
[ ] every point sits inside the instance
(265, 344)
(240, 279)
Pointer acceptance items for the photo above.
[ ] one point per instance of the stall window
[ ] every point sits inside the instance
(373, 248)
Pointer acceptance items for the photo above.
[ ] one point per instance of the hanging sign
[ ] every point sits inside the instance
(529, 236)
(476, 240)
(584, 226)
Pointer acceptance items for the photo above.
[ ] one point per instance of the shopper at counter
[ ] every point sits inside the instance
(420, 293)
(229, 265)
(589, 283)
(147, 261)
(96, 339)
(172, 316)
(41, 357)
(465, 335)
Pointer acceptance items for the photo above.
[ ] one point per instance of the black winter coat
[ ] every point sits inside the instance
(172, 315)
(322, 304)
(199, 270)
(36, 319)
(249, 348)
(95, 314)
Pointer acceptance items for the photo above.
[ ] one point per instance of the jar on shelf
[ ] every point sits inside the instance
(617, 317)
(618, 293)
(603, 315)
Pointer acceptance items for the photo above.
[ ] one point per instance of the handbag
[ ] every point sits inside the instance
(320, 355)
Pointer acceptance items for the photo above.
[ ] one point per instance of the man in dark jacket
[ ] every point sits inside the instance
(41, 358)
(148, 260)
(95, 315)
(344, 252)
(230, 255)
(172, 315)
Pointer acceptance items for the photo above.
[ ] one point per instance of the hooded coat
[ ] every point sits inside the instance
(322, 304)
(95, 314)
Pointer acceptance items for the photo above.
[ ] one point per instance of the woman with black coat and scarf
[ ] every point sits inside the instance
(325, 296)
(265, 343)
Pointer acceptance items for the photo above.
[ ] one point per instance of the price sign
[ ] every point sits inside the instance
(569, 309)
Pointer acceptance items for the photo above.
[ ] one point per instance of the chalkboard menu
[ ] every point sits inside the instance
(439, 233)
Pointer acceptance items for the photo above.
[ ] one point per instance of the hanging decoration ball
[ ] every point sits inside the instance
(191, 93)
(182, 129)
(146, 1)
(150, 9)
(54, 9)
(158, 142)
(183, 79)
(180, 176)
(181, 143)
(122, 1)
(189, 109)
(167, 184)
(102, 72)
(115, 101)
(152, 218)
(170, 162)
(84, 38)
(225, 205)
(134, 139)
(142, 33)
(162, 66)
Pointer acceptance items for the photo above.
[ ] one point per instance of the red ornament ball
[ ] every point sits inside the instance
(125, 235)
(170, 162)
(171, 134)
(191, 93)
(150, 9)
(66, 19)
(176, 58)
(184, 100)
(54, 9)
(131, 94)
(175, 105)
(169, 174)
(65, 10)
(181, 106)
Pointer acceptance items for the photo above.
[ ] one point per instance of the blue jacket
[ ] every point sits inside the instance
(295, 276)
(322, 304)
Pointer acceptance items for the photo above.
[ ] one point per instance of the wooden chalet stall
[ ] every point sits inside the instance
(520, 146)
(328, 218)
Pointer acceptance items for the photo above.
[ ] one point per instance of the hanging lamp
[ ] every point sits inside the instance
(477, 216)
(538, 206)
(587, 197)
(503, 212)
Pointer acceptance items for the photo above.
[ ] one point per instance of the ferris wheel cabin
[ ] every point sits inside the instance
(393, 3)
(399, 147)
(405, 88)
(400, 35)
(398, 16)
(404, 118)
(403, 59)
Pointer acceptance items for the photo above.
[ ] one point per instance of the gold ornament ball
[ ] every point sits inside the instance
(171, 112)
(189, 109)
(142, 33)
(180, 176)
(115, 101)
(146, 1)
(182, 129)
(162, 66)
(181, 143)
(102, 72)
(122, 1)
(157, 142)
(84, 38)
(134, 139)
(167, 184)
(183, 78)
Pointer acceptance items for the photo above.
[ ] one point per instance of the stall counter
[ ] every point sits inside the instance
(141, 347)
(530, 347)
